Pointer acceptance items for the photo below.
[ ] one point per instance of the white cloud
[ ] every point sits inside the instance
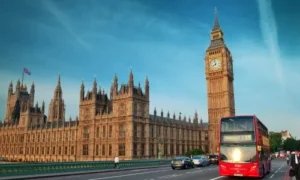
(269, 32)
(64, 21)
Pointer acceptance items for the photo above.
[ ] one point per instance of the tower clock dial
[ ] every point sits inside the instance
(215, 64)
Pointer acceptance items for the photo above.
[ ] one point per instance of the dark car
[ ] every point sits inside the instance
(213, 159)
(182, 162)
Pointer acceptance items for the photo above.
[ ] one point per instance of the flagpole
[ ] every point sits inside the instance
(23, 76)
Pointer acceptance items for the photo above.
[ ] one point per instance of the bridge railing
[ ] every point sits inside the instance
(65, 167)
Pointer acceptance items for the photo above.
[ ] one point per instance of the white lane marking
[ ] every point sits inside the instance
(217, 178)
(140, 170)
(271, 176)
(169, 176)
(125, 175)
(279, 168)
(190, 172)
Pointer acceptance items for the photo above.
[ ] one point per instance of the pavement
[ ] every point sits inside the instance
(278, 172)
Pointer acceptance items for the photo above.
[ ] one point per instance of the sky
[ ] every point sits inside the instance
(162, 39)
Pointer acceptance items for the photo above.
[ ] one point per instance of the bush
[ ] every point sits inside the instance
(194, 152)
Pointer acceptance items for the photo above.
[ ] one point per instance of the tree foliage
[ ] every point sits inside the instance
(194, 152)
(290, 144)
(275, 141)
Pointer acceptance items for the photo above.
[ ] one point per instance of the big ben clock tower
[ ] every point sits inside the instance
(219, 79)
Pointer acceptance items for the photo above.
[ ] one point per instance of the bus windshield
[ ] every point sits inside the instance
(237, 124)
(238, 153)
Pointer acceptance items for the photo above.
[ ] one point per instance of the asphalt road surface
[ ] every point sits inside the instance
(278, 172)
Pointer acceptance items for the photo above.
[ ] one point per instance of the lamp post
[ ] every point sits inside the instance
(160, 142)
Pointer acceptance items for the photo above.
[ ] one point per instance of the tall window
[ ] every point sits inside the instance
(143, 131)
(67, 135)
(121, 149)
(73, 135)
(85, 132)
(142, 107)
(85, 150)
(59, 150)
(135, 149)
(48, 150)
(53, 150)
(72, 150)
(142, 149)
(110, 150)
(110, 131)
(165, 149)
(66, 150)
(134, 109)
(97, 132)
(104, 131)
(134, 129)
(151, 148)
(97, 150)
(152, 130)
(122, 130)
(103, 150)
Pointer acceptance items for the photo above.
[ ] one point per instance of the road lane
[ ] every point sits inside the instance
(278, 172)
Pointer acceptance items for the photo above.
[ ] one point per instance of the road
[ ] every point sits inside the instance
(278, 172)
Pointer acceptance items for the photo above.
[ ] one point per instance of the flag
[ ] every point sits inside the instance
(26, 71)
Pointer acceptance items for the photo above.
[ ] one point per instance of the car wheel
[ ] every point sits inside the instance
(186, 166)
(173, 168)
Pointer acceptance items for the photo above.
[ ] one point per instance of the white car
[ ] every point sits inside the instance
(201, 161)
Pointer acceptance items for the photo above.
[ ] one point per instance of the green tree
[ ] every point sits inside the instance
(275, 141)
(194, 152)
(290, 144)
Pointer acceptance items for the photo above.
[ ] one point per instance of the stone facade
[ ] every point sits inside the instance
(219, 78)
(109, 125)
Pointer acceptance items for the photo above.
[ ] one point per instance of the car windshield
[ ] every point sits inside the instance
(238, 153)
(213, 156)
(198, 157)
(179, 158)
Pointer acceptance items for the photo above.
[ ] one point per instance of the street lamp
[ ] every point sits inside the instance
(159, 142)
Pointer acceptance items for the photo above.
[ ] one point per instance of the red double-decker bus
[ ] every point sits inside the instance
(244, 148)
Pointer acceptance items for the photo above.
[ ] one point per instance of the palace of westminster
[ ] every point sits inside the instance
(118, 123)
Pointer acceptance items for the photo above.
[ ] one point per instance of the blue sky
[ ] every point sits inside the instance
(163, 39)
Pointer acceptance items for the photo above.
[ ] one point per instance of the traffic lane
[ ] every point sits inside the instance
(278, 172)
(195, 173)
(146, 174)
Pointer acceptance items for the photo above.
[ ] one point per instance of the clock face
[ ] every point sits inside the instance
(215, 64)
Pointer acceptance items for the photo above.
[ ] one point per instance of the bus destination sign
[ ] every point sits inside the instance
(237, 138)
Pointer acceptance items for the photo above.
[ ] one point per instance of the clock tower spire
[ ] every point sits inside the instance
(219, 78)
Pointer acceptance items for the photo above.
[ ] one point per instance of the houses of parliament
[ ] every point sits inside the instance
(117, 123)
